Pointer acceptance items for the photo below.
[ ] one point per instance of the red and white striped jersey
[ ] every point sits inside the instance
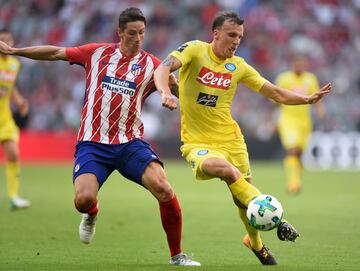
(116, 88)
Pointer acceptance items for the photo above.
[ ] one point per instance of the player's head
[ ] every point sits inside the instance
(6, 36)
(299, 63)
(131, 30)
(227, 30)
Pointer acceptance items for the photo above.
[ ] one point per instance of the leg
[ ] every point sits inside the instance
(154, 179)
(293, 169)
(86, 189)
(12, 174)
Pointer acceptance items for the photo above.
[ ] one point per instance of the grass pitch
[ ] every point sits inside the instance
(129, 234)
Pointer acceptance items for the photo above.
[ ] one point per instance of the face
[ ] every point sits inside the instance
(132, 37)
(299, 64)
(227, 39)
(7, 38)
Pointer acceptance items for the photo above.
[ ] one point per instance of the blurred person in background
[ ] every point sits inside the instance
(9, 132)
(119, 77)
(213, 144)
(295, 124)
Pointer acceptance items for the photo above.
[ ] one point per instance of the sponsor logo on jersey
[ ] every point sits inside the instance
(136, 69)
(207, 99)
(202, 152)
(230, 67)
(213, 79)
(7, 76)
(182, 47)
(118, 85)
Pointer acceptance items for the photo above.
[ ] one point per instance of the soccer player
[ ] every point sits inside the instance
(119, 77)
(295, 124)
(213, 143)
(9, 133)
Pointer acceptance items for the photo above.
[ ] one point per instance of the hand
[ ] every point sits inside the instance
(24, 108)
(319, 94)
(168, 101)
(5, 49)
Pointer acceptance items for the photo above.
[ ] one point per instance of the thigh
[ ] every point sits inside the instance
(9, 131)
(11, 150)
(196, 154)
(134, 159)
(239, 157)
(290, 135)
(89, 158)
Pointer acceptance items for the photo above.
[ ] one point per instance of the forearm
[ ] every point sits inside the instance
(283, 96)
(161, 79)
(44, 52)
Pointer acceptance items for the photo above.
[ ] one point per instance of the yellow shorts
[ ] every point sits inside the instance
(9, 131)
(295, 134)
(235, 153)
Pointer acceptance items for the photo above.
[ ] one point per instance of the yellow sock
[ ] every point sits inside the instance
(243, 191)
(12, 171)
(255, 239)
(293, 170)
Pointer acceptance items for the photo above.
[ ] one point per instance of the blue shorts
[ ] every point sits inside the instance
(129, 159)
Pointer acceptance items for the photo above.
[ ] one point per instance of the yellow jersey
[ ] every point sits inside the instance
(9, 68)
(305, 83)
(207, 86)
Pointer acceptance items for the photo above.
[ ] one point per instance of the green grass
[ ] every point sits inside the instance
(129, 234)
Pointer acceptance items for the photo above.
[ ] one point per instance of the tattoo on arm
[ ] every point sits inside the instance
(170, 61)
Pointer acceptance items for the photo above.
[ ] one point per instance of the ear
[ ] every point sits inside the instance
(119, 32)
(216, 34)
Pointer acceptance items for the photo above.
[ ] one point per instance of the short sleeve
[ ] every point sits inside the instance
(80, 55)
(252, 79)
(186, 52)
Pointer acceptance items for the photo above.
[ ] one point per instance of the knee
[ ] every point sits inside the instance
(83, 201)
(230, 174)
(162, 190)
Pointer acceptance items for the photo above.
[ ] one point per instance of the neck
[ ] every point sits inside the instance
(125, 51)
(216, 51)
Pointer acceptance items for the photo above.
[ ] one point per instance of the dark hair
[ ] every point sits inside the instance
(130, 15)
(221, 17)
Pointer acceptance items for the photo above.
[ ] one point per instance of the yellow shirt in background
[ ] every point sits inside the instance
(9, 68)
(206, 88)
(305, 83)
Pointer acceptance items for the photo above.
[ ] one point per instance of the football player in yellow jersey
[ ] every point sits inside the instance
(212, 141)
(9, 134)
(295, 124)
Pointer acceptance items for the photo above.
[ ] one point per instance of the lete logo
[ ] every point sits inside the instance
(213, 79)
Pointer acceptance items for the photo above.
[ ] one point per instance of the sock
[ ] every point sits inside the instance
(243, 191)
(255, 239)
(293, 169)
(12, 171)
(93, 210)
(171, 220)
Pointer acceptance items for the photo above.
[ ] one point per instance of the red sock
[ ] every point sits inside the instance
(93, 210)
(171, 219)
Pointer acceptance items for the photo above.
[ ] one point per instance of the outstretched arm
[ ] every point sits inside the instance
(44, 52)
(283, 96)
(161, 78)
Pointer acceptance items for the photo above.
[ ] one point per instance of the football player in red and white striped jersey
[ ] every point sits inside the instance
(119, 77)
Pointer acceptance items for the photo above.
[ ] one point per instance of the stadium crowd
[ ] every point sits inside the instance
(327, 31)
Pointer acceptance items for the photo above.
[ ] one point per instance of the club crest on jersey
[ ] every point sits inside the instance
(120, 86)
(230, 67)
(136, 69)
(202, 152)
(213, 79)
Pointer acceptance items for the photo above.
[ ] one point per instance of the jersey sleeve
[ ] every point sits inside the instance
(186, 52)
(252, 79)
(79, 55)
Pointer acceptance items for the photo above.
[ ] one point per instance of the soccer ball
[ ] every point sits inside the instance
(264, 212)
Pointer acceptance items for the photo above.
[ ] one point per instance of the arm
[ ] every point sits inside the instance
(20, 102)
(161, 78)
(283, 96)
(44, 52)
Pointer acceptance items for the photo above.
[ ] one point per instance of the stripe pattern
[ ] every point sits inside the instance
(114, 94)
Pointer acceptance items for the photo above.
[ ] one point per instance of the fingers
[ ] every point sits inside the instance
(169, 102)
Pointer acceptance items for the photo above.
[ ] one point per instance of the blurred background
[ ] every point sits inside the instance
(327, 31)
